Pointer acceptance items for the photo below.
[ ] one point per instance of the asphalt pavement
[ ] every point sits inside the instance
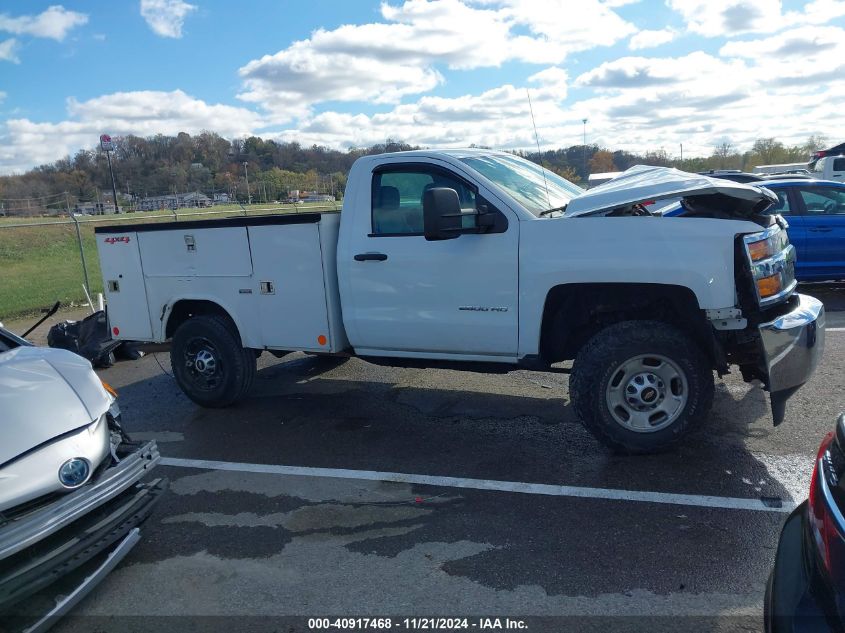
(340, 488)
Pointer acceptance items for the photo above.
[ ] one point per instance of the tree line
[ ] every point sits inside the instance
(209, 163)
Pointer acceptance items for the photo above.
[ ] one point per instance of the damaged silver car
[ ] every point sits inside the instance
(71, 495)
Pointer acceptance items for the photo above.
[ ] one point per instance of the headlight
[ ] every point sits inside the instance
(767, 244)
(772, 260)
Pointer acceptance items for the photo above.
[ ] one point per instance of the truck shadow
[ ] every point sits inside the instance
(517, 427)
(568, 555)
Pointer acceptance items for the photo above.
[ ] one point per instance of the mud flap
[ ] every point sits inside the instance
(778, 400)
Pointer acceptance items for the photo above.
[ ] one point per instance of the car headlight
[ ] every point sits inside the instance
(74, 472)
(772, 260)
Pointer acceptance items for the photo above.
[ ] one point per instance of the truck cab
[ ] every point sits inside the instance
(830, 167)
(468, 256)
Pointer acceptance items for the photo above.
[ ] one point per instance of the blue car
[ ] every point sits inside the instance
(815, 210)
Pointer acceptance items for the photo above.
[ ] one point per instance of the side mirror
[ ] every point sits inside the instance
(441, 214)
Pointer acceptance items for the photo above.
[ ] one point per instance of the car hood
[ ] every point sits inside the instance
(45, 393)
(643, 183)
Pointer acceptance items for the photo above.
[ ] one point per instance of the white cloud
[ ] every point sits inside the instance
(816, 12)
(651, 39)
(714, 18)
(8, 51)
(814, 55)
(388, 60)
(53, 23)
(27, 143)
(498, 117)
(166, 17)
(727, 17)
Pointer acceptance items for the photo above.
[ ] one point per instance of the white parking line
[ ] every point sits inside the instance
(835, 329)
(702, 501)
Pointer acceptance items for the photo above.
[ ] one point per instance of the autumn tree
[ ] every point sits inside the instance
(602, 162)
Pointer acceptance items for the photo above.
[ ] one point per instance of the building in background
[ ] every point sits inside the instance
(193, 199)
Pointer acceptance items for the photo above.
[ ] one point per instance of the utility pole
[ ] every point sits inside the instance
(248, 194)
(79, 241)
(113, 187)
(682, 152)
(586, 173)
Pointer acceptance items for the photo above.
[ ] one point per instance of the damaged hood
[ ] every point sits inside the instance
(642, 183)
(43, 394)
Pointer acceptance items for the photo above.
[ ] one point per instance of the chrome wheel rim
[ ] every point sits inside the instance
(646, 393)
(202, 361)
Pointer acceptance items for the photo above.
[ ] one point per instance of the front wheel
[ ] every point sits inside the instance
(641, 386)
(209, 363)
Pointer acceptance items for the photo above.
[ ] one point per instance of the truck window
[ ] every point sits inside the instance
(839, 164)
(824, 200)
(397, 198)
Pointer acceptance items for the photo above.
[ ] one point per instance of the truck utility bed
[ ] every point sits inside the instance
(275, 275)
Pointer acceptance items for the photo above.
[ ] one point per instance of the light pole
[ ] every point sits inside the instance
(586, 174)
(246, 174)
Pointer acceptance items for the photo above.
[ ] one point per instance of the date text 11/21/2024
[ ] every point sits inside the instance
(415, 624)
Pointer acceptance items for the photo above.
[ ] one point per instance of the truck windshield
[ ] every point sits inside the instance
(524, 181)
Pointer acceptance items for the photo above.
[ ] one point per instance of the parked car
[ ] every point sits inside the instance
(71, 496)
(815, 211)
(471, 256)
(806, 589)
(732, 174)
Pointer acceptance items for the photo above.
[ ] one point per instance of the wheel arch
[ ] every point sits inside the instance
(175, 314)
(573, 313)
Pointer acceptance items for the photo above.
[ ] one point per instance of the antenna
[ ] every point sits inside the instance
(537, 138)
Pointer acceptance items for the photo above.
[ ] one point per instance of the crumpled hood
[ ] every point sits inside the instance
(43, 394)
(641, 183)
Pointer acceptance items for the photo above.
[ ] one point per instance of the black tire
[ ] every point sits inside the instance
(211, 344)
(608, 356)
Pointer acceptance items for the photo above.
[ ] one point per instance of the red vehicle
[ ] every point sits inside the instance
(806, 590)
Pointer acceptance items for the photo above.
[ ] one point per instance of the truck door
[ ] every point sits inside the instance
(434, 298)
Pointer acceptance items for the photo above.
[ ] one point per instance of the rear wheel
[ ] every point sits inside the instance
(209, 362)
(641, 386)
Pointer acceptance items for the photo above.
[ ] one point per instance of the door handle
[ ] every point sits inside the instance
(375, 257)
(821, 229)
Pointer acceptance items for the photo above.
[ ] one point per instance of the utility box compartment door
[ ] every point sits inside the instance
(125, 290)
(196, 252)
(291, 294)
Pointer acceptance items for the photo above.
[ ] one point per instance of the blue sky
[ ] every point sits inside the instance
(647, 75)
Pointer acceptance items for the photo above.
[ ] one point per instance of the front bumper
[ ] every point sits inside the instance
(797, 597)
(107, 528)
(792, 346)
(24, 531)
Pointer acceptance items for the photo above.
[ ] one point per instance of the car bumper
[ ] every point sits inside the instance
(22, 532)
(792, 346)
(111, 528)
(798, 598)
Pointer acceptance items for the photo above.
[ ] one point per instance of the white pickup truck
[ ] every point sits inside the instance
(482, 258)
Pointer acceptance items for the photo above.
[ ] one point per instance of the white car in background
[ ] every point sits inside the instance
(71, 496)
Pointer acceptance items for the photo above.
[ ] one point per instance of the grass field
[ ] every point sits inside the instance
(41, 264)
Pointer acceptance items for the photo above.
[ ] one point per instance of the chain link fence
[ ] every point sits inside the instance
(44, 260)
